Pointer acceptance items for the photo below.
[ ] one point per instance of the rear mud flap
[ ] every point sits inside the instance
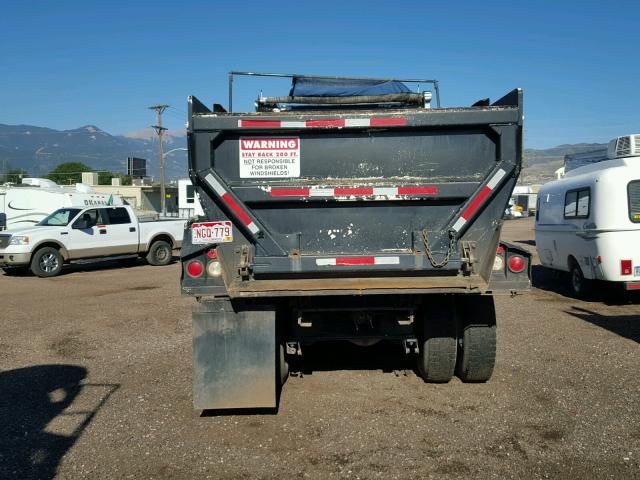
(234, 361)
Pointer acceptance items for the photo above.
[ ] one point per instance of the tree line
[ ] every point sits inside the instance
(66, 174)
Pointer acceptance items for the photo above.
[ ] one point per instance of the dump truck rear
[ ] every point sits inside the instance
(350, 209)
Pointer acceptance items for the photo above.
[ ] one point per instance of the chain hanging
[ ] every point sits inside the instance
(447, 255)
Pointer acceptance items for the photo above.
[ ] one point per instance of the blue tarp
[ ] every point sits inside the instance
(321, 87)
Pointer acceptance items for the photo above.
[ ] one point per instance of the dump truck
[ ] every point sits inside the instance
(350, 209)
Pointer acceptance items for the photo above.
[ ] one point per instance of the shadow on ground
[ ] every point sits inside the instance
(30, 400)
(332, 356)
(627, 326)
(94, 266)
(608, 293)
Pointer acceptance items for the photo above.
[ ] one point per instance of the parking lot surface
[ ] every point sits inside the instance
(95, 382)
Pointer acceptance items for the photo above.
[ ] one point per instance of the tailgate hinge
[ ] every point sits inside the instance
(469, 257)
(244, 266)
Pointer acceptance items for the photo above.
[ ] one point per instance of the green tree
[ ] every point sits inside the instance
(68, 173)
(14, 176)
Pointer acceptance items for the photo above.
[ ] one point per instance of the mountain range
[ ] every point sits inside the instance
(38, 150)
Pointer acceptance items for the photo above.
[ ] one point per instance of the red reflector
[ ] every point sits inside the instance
(195, 268)
(599, 259)
(632, 285)
(516, 263)
(500, 250)
(212, 254)
(625, 267)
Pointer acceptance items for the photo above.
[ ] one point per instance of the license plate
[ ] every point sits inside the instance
(636, 271)
(211, 232)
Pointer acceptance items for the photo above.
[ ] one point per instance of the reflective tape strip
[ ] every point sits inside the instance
(351, 261)
(386, 193)
(231, 203)
(479, 199)
(325, 123)
(219, 189)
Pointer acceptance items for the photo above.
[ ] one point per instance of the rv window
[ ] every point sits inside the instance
(583, 204)
(538, 203)
(570, 201)
(117, 216)
(576, 203)
(190, 194)
(633, 190)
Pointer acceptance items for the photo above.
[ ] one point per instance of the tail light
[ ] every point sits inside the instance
(195, 268)
(516, 263)
(214, 269)
(212, 254)
(625, 267)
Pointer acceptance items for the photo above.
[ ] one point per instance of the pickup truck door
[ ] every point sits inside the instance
(85, 242)
(122, 231)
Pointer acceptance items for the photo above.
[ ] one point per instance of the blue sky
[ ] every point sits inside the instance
(68, 64)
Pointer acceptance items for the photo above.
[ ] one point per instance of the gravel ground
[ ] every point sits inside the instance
(95, 382)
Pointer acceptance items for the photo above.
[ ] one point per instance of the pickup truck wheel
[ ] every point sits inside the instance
(46, 262)
(477, 339)
(438, 347)
(160, 253)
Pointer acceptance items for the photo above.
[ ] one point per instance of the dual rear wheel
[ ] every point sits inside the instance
(458, 337)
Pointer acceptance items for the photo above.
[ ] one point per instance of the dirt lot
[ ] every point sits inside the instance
(95, 375)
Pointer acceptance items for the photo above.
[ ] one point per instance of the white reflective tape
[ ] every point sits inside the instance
(387, 260)
(323, 262)
(321, 192)
(253, 228)
(219, 189)
(386, 191)
(293, 124)
(495, 180)
(459, 224)
(357, 122)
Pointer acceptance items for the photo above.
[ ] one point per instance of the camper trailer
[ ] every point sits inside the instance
(26, 204)
(188, 202)
(588, 222)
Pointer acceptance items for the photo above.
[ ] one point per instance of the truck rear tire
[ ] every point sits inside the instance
(477, 339)
(283, 367)
(159, 254)
(46, 262)
(438, 346)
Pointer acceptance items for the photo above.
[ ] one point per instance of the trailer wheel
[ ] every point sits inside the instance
(477, 338)
(46, 262)
(577, 283)
(283, 366)
(159, 254)
(438, 348)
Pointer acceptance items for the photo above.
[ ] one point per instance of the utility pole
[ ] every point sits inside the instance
(160, 131)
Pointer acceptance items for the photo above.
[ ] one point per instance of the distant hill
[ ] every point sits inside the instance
(38, 150)
(540, 164)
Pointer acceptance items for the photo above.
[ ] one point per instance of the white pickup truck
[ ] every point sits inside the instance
(78, 233)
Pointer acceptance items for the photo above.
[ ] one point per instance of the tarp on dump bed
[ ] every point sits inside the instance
(323, 87)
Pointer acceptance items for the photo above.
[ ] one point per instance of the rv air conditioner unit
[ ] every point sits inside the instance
(626, 146)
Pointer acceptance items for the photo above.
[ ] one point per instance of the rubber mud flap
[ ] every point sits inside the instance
(234, 356)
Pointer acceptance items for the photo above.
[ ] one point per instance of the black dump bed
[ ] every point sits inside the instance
(354, 199)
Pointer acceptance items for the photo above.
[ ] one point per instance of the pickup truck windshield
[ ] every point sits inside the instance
(60, 217)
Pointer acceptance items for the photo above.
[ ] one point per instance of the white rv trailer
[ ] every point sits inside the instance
(26, 204)
(188, 202)
(588, 222)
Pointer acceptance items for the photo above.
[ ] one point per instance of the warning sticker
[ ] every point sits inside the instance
(270, 157)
